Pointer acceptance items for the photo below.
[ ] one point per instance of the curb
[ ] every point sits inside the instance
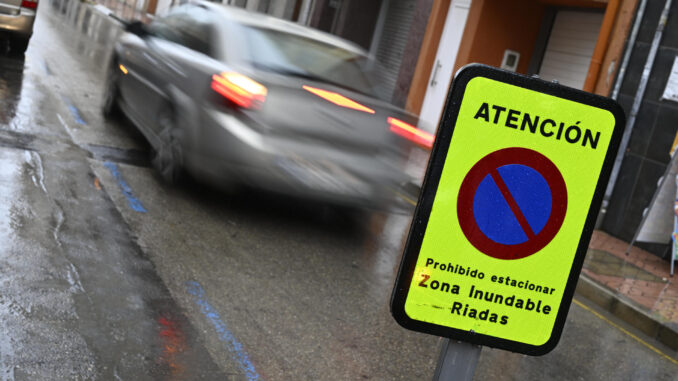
(626, 311)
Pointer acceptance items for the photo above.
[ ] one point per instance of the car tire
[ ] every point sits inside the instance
(110, 108)
(19, 44)
(168, 154)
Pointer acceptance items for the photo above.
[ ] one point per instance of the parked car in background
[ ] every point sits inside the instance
(236, 98)
(16, 21)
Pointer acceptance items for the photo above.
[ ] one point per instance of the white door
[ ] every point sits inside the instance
(570, 47)
(441, 75)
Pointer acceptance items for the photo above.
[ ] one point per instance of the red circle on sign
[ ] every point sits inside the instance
(488, 166)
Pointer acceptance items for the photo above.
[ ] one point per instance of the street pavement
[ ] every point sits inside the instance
(110, 274)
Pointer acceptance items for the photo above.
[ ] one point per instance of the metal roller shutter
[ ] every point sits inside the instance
(399, 16)
(570, 47)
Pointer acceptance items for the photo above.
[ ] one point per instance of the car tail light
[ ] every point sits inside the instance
(338, 99)
(30, 4)
(239, 89)
(410, 132)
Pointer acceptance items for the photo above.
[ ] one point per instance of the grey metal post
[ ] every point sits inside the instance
(673, 245)
(675, 228)
(457, 361)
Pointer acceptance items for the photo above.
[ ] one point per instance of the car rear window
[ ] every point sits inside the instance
(291, 54)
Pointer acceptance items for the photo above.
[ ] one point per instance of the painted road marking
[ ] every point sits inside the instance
(194, 288)
(512, 203)
(406, 198)
(638, 339)
(74, 111)
(133, 202)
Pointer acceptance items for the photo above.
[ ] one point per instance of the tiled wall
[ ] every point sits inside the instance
(655, 128)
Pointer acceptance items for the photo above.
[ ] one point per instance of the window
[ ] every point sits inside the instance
(187, 25)
(297, 55)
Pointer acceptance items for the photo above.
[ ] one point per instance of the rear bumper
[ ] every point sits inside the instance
(21, 24)
(230, 151)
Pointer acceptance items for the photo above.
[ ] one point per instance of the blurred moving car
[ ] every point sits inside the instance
(16, 19)
(239, 98)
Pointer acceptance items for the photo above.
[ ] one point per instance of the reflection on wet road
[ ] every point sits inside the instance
(11, 78)
(78, 298)
(201, 284)
(74, 283)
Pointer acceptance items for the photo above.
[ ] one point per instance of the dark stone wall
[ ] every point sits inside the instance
(356, 22)
(360, 19)
(647, 154)
(411, 53)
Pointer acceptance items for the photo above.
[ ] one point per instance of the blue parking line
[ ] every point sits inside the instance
(74, 111)
(133, 202)
(194, 288)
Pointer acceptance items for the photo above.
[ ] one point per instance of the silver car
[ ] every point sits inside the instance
(16, 19)
(236, 98)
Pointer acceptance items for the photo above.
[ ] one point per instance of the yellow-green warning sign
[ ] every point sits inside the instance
(506, 213)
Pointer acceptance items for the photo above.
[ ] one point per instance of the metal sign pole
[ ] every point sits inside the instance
(674, 242)
(457, 361)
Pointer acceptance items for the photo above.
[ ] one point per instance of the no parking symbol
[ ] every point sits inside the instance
(512, 203)
(507, 209)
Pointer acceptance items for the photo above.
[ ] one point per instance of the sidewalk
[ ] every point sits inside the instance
(636, 288)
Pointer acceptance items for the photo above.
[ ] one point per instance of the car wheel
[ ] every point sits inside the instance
(19, 44)
(110, 107)
(168, 155)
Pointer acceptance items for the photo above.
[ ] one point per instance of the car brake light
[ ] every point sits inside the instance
(410, 132)
(30, 4)
(239, 89)
(338, 99)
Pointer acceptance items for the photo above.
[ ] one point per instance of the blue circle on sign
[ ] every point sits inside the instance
(512, 204)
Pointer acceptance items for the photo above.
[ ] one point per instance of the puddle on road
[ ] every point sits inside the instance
(604, 263)
(11, 78)
(30, 142)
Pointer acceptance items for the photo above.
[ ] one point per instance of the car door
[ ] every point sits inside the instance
(142, 91)
(138, 91)
(176, 57)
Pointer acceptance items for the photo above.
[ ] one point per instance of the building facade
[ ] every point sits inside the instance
(579, 43)
(653, 121)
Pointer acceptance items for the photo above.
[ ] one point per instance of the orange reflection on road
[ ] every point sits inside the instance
(173, 343)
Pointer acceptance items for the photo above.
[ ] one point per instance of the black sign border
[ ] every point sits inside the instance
(430, 186)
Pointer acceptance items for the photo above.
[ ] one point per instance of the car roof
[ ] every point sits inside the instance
(259, 20)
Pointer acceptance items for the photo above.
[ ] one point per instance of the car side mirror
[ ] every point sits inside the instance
(138, 28)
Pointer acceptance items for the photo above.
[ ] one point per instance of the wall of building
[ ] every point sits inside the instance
(324, 14)
(501, 25)
(413, 49)
(394, 37)
(610, 63)
(358, 20)
(353, 20)
(654, 131)
(284, 9)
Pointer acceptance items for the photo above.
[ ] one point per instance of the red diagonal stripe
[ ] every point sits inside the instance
(512, 204)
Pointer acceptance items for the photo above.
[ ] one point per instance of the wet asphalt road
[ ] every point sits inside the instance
(109, 274)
